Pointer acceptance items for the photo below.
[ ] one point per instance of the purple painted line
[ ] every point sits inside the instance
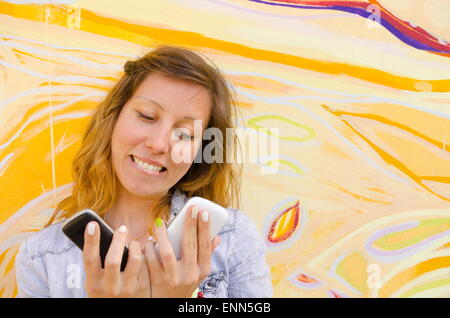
(403, 37)
(404, 251)
(363, 13)
(274, 15)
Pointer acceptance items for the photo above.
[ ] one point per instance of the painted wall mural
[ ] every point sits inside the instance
(360, 93)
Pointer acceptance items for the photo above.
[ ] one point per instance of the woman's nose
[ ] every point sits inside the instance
(159, 142)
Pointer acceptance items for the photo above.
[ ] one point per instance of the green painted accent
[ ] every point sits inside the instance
(311, 133)
(420, 288)
(159, 222)
(424, 230)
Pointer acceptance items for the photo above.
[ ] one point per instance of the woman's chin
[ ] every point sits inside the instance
(147, 191)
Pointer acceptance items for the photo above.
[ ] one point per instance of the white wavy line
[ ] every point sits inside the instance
(74, 59)
(3, 267)
(375, 99)
(57, 78)
(40, 114)
(411, 262)
(293, 84)
(11, 241)
(369, 98)
(423, 279)
(52, 138)
(54, 46)
(46, 89)
(435, 292)
(5, 161)
(376, 224)
(72, 115)
(23, 210)
(332, 273)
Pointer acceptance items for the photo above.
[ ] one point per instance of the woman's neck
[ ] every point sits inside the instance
(135, 213)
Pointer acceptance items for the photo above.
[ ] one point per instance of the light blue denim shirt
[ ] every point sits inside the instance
(50, 265)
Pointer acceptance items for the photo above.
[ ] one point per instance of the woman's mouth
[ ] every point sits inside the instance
(147, 168)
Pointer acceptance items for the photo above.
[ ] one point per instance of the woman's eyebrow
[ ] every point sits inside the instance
(159, 105)
(151, 101)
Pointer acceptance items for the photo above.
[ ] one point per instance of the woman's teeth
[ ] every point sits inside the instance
(147, 166)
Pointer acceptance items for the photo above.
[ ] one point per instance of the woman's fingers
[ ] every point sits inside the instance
(204, 244)
(133, 268)
(91, 249)
(144, 281)
(151, 257)
(166, 253)
(189, 240)
(153, 263)
(114, 259)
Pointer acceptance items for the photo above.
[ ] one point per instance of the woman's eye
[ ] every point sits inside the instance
(184, 136)
(141, 115)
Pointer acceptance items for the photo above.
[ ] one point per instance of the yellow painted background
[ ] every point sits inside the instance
(364, 123)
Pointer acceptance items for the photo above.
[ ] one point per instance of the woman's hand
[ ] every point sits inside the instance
(110, 281)
(172, 278)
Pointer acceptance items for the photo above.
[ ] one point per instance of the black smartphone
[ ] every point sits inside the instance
(74, 229)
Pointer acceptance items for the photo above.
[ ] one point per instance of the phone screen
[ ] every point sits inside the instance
(74, 229)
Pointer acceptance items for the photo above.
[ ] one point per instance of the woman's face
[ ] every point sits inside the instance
(155, 126)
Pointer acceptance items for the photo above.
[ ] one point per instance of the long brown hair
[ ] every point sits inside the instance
(95, 182)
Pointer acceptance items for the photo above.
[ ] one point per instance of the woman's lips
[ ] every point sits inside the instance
(148, 172)
(146, 160)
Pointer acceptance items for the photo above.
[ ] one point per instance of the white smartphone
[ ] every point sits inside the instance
(218, 216)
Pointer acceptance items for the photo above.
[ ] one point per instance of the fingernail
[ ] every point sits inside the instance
(194, 212)
(205, 216)
(122, 229)
(150, 238)
(91, 229)
(159, 222)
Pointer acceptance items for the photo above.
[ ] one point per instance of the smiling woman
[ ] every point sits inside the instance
(129, 171)
(142, 112)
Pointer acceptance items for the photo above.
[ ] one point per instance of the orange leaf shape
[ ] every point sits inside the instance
(306, 279)
(285, 224)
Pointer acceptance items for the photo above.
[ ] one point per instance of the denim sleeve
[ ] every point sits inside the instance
(31, 276)
(249, 275)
